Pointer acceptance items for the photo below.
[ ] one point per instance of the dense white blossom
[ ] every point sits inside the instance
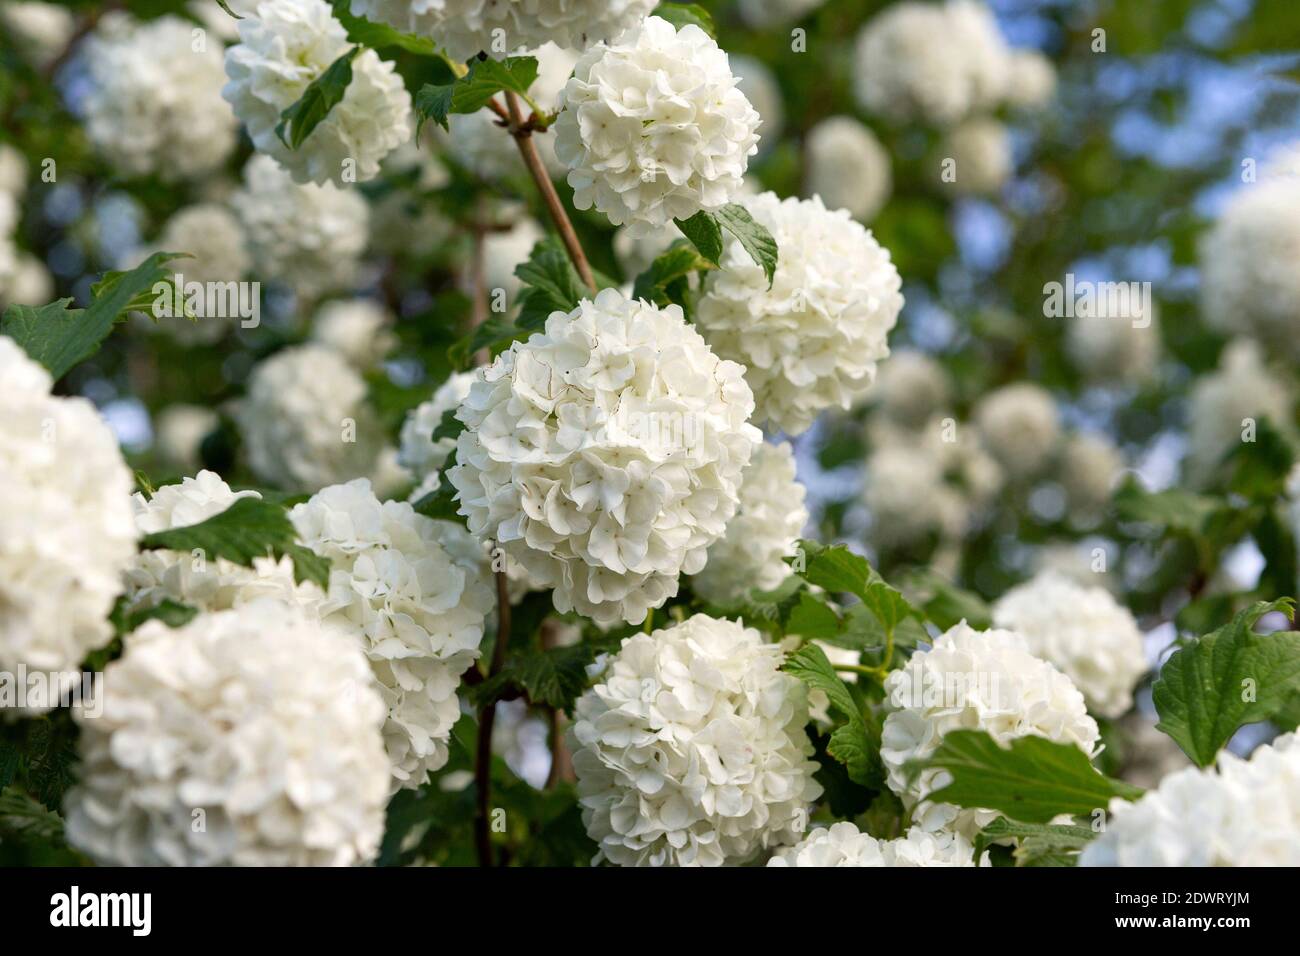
(765, 13)
(812, 340)
(259, 722)
(655, 127)
(416, 593)
(1122, 348)
(691, 751)
(308, 236)
(911, 388)
(154, 104)
(179, 431)
(1242, 813)
(42, 30)
(980, 150)
(1021, 426)
(1084, 632)
(973, 680)
(843, 844)
(848, 167)
(1090, 468)
(66, 533)
(763, 532)
(908, 498)
(605, 454)
(305, 423)
(360, 330)
(284, 46)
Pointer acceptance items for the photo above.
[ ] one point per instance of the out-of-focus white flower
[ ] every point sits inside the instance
(358, 329)
(66, 533)
(636, 251)
(419, 453)
(466, 28)
(980, 150)
(654, 127)
(973, 680)
(763, 532)
(284, 46)
(1243, 814)
(1083, 631)
(766, 13)
(911, 388)
(179, 431)
(760, 86)
(503, 252)
(308, 236)
(908, 499)
(605, 454)
(843, 844)
(848, 167)
(305, 422)
(13, 180)
(154, 105)
(41, 29)
(1122, 348)
(1249, 281)
(416, 593)
(1089, 469)
(1032, 81)
(259, 722)
(691, 750)
(812, 340)
(26, 281)
(1021, 427)
(1227, 402)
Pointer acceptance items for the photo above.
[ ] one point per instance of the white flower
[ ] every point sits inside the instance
(27, 282)
(503, 252)
(305, 422)
(415, 592)
(843, 844)
(310, 237)
(154, 104)
(360, 330)
(66, 533)
(981, 153)
(605, 454)
(655, 127)
(1090, 468)
(1032, 81)
(812, 340)
(13, 176)
(973, 680)
(1122, 348)
(1083, 631)
(1249, 280)
(260, 719)
(848, 167)
(284, 46)
(179, 431)
(691, 750)
(419, 453)
(911, 388)
(766, 13)
(767, 524)
(760, 86)
(1245, 814)
(1225, 402)
(42, 30)
(1021, 427)
(466, 28)
(909, 499)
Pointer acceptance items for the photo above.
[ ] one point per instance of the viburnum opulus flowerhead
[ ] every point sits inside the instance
(248, 737)
(66, 533)
(605, 454)
(1021, 426)
(654, 127)
(285, 45)
(843, 844)
(690, 749)
(812, 340)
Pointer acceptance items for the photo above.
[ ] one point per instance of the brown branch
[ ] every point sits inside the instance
(561, 759)
(486, 719)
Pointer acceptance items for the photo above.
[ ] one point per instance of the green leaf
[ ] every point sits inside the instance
(705, 232)
(21, 815)
(946, 604)
(687, 14)
(470, 93)
(554, 677)
(753, 237)
(322, 95)
(495, 335)
(1261, 467)
(440, 504)
(664, 283)
(172, 613)
(380, 35)
(59, 337)
(449, 427)
(1175, 509)
(813, 619)
(1035, 779)
(1228, 678)
(1039, 844)
(551, 284)
(856, 743)
(250, 528)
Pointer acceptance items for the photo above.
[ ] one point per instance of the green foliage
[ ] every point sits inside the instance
(667, 281)
(1037, 844)
(440, 504)
(705, 229)
(551, 284)
(687, 14)
(322, 95)
(855, 743)
(377, 36)
(470, 93)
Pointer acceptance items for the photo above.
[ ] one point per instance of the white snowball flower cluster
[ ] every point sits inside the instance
(197, 580)
(812, 340)
(66, 533)
(1090, 468)
(154, 104)
(284, 46)
(766, 13)
(605, 454)
(360, 330)
(973, 680)
(419, 453)
(1120, 349)
(1249, 280)
(848, 167)
(763, 533)
(1083, 631)
(261, 719)
(1245, 814)
(466, 28)
(305, 423)
(1021, 426)
(179, 431)
(908, 498)
(655, 127)
(691, 750)
(416, 592)
(42, 30)
(911, 388)
(843, 844)
(308, 236)
(980, 150)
